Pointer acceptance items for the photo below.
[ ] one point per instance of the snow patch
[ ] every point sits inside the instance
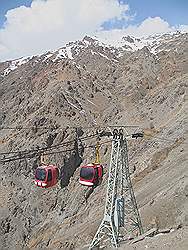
(93, 52)
(15, 64)
(69, 53)
(73, 105)
(65, 52)
(91, 102)
(47, 57)
(104, 56)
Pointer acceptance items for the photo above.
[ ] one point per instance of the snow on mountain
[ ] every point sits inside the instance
(130, 43)
(15, 64)
(93, 45)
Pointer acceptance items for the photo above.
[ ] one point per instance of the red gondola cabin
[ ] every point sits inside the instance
(46, 176)
(91, 175)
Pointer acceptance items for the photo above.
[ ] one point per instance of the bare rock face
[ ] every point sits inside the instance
(88, 84)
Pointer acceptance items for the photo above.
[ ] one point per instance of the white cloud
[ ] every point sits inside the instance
(49, 24)
(149, 26)
(184, 28)
(3, 49)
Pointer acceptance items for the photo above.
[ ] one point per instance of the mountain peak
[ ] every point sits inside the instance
(89, 40)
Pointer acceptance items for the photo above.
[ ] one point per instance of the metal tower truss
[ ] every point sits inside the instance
(107, 226)
(121, 214)
(132, 225)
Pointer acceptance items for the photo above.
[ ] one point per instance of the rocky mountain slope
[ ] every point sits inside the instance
(85, 84)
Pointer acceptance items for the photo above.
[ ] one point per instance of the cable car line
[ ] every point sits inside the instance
(51, 147)
(33, 155)
(45, 149)
(69, 127)
(26, 128)
(168, 140)
(23, 156)
(41, 150)
(48, 153)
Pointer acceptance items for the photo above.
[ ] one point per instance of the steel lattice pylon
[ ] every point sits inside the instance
(121, 213)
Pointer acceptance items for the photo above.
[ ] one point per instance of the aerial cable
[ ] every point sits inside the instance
(24, 156)
(21, 156)
(32, 156)
(33, 153)
(68, 127)
(51, 147)
(44, 149)
(26, 128)
(146, 136)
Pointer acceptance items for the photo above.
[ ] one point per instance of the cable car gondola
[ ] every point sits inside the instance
(46, 175)
(91, 174)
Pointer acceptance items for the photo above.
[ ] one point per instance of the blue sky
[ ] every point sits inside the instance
(36, 26)
(173, 11)
(6, 5)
